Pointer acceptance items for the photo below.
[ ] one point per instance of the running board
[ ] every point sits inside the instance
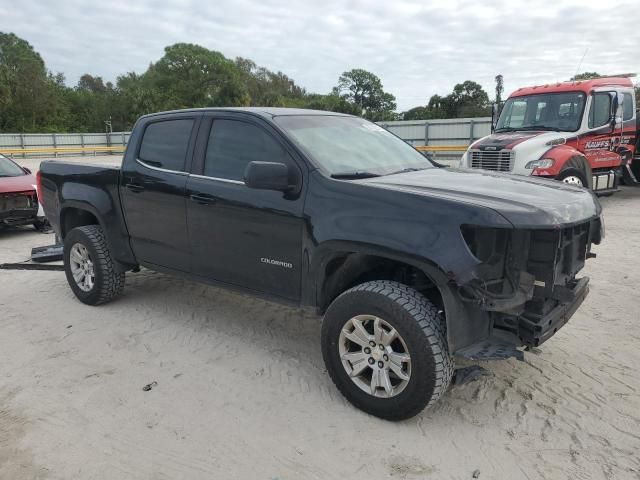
(50, 253)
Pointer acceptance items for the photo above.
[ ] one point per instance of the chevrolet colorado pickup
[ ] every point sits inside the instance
(410, 264)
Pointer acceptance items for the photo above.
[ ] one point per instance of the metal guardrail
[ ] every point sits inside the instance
(10, 152)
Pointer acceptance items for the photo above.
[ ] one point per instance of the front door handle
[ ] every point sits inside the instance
(202, 198)
(134, 187)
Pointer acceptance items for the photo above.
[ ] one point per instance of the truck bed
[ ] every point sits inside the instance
(67, 186)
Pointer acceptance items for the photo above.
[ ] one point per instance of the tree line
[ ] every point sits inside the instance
(33, 99)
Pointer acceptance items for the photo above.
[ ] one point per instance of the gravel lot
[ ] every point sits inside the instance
(242, 391)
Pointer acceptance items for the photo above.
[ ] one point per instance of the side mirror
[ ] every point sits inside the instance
(494, 116)
(26, 170)
(617, 110)
(267, 176)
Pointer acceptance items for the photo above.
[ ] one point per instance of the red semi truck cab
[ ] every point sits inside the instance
(579, 132)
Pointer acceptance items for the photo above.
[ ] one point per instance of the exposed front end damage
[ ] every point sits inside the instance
(526, 283)
(18, 208)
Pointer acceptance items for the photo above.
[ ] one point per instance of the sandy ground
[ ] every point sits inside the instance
(242, 391)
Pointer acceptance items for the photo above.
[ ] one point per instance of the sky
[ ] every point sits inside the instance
(417, 48)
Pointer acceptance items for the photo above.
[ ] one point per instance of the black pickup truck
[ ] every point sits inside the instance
(410, 264)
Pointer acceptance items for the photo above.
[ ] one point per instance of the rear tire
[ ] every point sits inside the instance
(357, 367)
(89, 267)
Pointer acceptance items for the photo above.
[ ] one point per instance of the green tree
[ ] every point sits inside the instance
(190, 76)
(585, 76)
(27, 93)
(364, 90)
(499, 88)
(89, 83)
(468, 99)
(416, 113)
(267, 88)
(33, 99)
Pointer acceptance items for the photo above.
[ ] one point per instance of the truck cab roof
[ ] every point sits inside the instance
(268, 112)
(579, 85)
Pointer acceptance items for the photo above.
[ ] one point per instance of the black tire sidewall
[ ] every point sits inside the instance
(421, 384)
(573, 172)
(77, 235)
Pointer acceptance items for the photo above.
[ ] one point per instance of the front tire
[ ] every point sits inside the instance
(385, 349)
(89, 267)
(573, 176)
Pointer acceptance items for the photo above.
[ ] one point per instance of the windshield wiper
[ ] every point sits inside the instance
(404, 170)
(540, 127)
(353, 175)
(528, 127)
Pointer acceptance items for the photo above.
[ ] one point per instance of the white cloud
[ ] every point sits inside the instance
(417, 48)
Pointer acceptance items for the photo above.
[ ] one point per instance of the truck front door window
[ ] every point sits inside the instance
(165, 144)
(600, 112)
(233, 144)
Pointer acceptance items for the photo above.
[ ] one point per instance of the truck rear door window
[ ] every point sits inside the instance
(628, 106)
(233, 144)
(165, 144)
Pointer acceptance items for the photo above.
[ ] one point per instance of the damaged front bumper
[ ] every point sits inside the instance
(529, 332)
(524, 296)
(534, 332)
(18, 217)
(20, 208)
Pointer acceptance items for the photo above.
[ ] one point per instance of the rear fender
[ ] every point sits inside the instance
(98, 203)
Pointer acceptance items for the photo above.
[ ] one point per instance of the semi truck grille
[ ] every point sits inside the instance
(499, 161)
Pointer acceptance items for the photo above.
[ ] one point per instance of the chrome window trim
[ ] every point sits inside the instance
(158, 169)
(218, 179)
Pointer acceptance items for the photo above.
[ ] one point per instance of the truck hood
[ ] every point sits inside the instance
(526, 202)
(23, 183)
(498, 141)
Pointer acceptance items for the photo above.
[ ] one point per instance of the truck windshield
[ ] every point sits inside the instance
(9, 169)
(350, 147)
(560, 112)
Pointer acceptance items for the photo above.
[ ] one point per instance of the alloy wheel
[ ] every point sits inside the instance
(82, 267)
(375, 356)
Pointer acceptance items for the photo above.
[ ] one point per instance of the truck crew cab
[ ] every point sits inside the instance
(583, 133)
(410, 264)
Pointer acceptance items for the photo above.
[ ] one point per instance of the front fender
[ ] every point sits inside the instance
(564, 157)
(465, 323)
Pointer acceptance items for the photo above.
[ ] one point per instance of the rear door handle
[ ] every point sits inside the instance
(134, 187)
(202, 198)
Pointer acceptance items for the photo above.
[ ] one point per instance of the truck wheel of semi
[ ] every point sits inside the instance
(410, 265)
